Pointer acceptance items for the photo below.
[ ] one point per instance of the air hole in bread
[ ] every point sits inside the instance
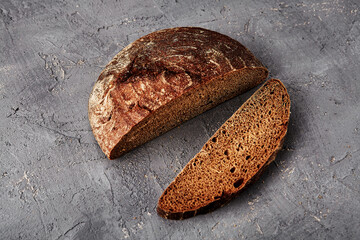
(238, 183)
(232, 169)
(258, 166)
(223, 131)
(226, 152)
(269, 112)
(213, 139)
(272, 92)
(109, 118)
(247, 157)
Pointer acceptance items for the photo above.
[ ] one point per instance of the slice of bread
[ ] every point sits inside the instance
(164, 79)
(233, 157)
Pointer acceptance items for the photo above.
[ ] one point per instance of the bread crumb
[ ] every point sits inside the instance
(258, 228)
(316, 218)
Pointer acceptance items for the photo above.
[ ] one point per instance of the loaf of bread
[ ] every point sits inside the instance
(164, 79)
(233, 157)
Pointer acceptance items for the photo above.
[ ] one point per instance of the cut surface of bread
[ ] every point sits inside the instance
(164, 79)
(233, 157)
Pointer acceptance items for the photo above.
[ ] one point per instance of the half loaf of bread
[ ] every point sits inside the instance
(234, 156)
(164, 79)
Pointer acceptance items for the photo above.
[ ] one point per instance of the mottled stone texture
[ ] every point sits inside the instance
(55, 182)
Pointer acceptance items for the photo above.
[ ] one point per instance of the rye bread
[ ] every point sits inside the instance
(163, 79)
(233, 157)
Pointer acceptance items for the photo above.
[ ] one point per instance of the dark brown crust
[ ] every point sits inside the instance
(226, 197)
(153, 71)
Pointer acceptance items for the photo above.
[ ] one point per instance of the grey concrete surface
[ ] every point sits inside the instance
(55, 183)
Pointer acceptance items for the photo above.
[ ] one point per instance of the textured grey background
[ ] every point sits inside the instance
(55, 183)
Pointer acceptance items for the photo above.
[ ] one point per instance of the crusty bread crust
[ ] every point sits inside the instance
(148, 76)
(206, 183)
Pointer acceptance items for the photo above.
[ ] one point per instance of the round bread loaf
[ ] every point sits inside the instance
(164, 79)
